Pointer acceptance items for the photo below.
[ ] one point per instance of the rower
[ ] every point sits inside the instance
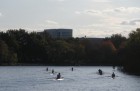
(52, 71)
(100, 71)
(113, 75)
(72, 69)
(47, 69)
(58, 76)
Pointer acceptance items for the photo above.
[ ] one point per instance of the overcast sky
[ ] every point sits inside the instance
(93, 18)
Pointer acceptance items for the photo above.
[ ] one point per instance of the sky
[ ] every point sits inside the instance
(91, 18)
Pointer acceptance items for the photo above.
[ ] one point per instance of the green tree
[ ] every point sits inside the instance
(108, 53)
(132, 52)
(3, 52)
(117, 40)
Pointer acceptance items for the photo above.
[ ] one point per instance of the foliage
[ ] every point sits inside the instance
(117, 40)
(132, 53)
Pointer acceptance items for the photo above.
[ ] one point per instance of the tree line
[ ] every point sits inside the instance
(20, 47)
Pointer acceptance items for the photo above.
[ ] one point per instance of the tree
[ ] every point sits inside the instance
(108, 53)
(117, 40)
(132, 52)
(3, 52)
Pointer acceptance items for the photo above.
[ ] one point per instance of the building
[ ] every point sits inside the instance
(59, 33)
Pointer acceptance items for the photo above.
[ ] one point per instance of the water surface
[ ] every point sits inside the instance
(36, 78)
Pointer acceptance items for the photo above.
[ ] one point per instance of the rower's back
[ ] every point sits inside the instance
(113, 75)
(58, 76)
(100, 71)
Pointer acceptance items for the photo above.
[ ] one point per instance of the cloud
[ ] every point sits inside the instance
(57, 0)
(61, 0)
(123, 10)
(119, 10)
(77, 12)
(50, 22)
(101, 1)
(81, 32)
(113, 16)
(92, 12)
(132, 22)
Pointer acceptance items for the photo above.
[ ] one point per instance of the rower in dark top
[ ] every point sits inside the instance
(47, 69)
(100, 71)
(72, 69)
(58, 76)
(113, 75)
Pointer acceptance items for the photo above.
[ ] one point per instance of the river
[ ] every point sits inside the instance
(82, 78)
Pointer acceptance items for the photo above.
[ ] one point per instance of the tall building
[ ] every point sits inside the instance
(59, 33)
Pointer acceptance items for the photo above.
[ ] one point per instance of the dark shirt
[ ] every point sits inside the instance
(58, 76)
